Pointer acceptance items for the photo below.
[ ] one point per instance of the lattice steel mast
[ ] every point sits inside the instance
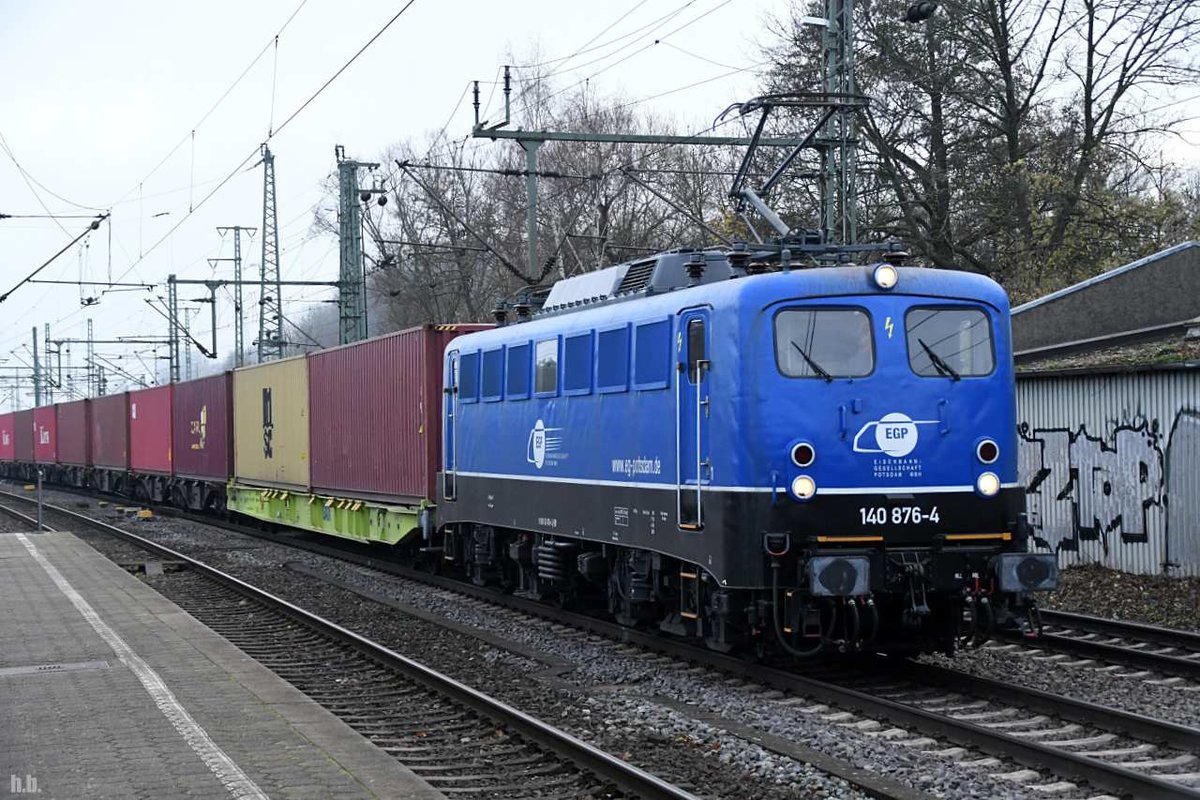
(352, 294)
(239, 330)
(270, 310)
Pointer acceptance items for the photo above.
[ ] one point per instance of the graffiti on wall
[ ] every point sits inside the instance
(1113, 487)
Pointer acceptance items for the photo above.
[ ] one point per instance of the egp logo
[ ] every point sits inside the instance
(540, 443)
(895, 434)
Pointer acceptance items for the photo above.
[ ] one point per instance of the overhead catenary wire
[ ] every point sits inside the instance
(192, 131)
(93, 226)
(639, 51)
(256, 151)
(584, 48)
(28, 182)
(635, 32)
(28, 178)
(47, 216)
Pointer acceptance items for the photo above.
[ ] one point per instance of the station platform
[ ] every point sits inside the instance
(109, 690)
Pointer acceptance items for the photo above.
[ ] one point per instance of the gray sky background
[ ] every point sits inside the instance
(97, 94)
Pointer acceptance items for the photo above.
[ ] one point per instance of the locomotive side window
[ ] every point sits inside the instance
(652, 355)
(949, 342)
(518, 372)
(468, 377)
(696, 349)
(577, 364)
(612, 360)
(546, 366)
(824, 343)
(493, 374)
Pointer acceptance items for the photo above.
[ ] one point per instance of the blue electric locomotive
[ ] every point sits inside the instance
(821, 458)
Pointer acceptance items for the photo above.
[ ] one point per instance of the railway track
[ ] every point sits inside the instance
(1172, 653)
(1075, 741)
(458, 739)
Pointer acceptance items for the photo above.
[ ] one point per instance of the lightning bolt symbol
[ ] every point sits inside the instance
(887, 325)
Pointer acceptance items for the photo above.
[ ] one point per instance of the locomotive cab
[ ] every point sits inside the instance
(885, 425)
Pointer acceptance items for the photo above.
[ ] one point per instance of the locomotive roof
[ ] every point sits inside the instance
(757, 291)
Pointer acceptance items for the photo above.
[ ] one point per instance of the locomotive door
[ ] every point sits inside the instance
(449, 430)
(692, 411)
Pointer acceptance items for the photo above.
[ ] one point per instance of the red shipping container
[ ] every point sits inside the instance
(45, 435)
(110, 432)
(6, 437)
(74, 424)
(150, 430)
(23, 436)
(203, 428)
(375, 414)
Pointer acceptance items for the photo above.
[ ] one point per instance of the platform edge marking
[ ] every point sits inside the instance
(237, 782)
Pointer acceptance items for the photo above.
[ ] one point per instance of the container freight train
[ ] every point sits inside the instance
(793, 460)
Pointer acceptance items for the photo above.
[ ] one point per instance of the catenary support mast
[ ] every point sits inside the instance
(352, 294)
(270, 310)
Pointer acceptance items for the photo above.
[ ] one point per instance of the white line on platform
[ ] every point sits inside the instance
(229, 773)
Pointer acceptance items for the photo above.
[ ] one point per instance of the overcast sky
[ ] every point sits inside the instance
(100, 101)
(96, 95)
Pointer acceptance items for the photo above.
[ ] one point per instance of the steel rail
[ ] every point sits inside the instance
(627, 777)
(1100, 774)
(1119, 654)
(1128, 654)
(1167, 637)
(1137, 726)
(1135, 632)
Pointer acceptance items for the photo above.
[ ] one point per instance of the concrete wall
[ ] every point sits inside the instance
(1161, 289)
(1111, 466)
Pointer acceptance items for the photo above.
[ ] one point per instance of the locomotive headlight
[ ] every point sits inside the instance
(803, 455)
(886, 276)
(804, 487)
(988, 484)
(987, 451)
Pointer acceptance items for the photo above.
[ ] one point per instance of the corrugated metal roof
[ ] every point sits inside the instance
(1104, 276)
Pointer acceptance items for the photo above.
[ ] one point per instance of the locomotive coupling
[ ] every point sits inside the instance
(777, 545)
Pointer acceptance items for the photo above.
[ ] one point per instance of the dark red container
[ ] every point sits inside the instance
(45, 435)
(23, 436)
(74, 429)
(375, 414)
(150, 430)
(6, 437)
(110, 432)
(203, 428)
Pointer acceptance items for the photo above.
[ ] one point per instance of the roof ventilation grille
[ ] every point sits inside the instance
(637, 277)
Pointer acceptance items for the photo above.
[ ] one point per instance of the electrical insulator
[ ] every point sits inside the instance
(919, 12)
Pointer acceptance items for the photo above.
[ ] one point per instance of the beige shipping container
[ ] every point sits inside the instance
(270, 424)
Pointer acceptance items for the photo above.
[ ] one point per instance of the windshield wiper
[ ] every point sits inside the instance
(938, 362)
(817, 368)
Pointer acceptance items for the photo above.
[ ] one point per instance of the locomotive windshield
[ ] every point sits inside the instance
(824, 343)
(949, 342)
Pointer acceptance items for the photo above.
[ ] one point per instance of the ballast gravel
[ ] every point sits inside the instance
(1125, 688)
(1173, 602)
(668, 744)
(616, 697)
